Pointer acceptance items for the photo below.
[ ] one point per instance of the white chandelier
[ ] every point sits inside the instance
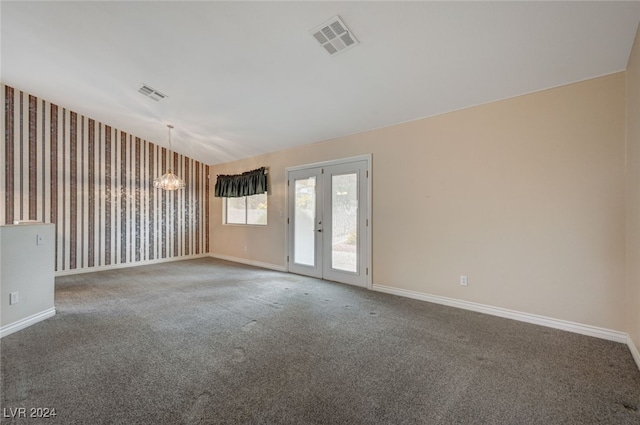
(169, 181)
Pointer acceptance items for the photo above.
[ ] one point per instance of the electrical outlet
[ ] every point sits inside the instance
(13, 298)
(463, 281)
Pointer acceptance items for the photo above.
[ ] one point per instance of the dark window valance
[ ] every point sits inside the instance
(245, 184)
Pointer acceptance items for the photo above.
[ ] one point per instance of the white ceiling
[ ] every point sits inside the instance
(245, 78)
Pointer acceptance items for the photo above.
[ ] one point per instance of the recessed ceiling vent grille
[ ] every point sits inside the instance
(152, 93)
(334, 36)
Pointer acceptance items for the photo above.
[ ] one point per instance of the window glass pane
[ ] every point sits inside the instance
(236, 211)
(257, 209)
(344, 221)
(304, 221)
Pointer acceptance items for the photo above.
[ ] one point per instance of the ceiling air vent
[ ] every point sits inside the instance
(334, 36)
(152, 93)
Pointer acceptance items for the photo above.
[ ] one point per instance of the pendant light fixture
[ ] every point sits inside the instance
(169, 181)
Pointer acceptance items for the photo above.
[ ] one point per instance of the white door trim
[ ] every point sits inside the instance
(366, 157)
(369, 248)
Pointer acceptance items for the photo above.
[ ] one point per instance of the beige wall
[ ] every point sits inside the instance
(633, 193)
(525, 196)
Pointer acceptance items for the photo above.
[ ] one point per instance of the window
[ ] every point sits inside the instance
(246, 210)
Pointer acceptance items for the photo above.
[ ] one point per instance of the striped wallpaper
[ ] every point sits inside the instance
(96, 184)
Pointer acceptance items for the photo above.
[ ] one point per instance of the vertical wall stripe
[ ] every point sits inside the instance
(130, 182)
(91, 192)
(151, 221)
(96, 184)
(138, 230)
(157, 211)
(164, 223)
(115, 198)
(33, 164)
(65, 219)
(156, 195)
(197, 216)
(186, 210)
(206, 215)
(97, 194)
(107, 196)
(101, 194)
(123, 197)
(17, 156)
(144, 194)
(142, 198)
(44, 164)
(175, 209)
(3, 160)
(86, 193)
(17, 163)
(23, 178)
(8, 147)
(52, 187)
(53, 218)
(53, 173)
(81, 193)
(73, 194)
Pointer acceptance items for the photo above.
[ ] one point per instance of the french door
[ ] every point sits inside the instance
(328, 221)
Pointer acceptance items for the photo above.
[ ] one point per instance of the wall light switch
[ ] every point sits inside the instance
(39, 240)
(13, 298)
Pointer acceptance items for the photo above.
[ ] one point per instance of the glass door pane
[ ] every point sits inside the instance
(327, 219)
(304, 221)
(344, 220)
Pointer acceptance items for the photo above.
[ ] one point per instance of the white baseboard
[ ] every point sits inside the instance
(564, 325)
(249, 262)
(26, 322)
(127, 265)
(634, 351)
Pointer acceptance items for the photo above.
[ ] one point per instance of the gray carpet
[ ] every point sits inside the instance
(211, 342)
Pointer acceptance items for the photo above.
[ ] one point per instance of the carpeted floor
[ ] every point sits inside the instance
(211, 342)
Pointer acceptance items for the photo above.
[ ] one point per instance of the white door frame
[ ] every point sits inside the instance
(368, 248)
